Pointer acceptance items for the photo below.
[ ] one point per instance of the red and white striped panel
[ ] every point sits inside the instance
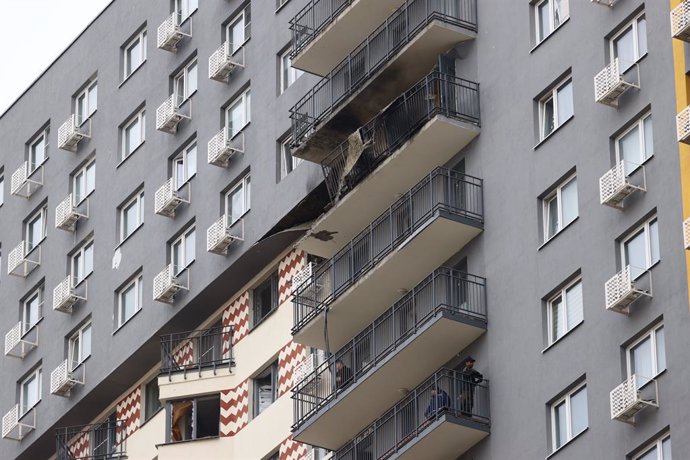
(129, 410)
(237, 316)
(184, 355)
(291, 264)
(288, 358)
(292, 450)
(234, 409)
(80, 445)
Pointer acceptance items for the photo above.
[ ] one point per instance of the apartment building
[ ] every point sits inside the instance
(353, 229)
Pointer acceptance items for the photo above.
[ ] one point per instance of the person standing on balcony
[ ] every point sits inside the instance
(343, 374)
(469, 379)
(438, 402)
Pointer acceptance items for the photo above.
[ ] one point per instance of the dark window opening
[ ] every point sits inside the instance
(265, 298)
(195, 418)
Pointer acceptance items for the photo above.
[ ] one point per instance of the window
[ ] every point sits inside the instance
(238, 113)
(131, 215)
(82, 262)
(185, 82)
(659, 450)
(80, 346)
(641, 249)
(646, 357)
(636, 144)
(265, 388)
(185, 8)
(35, 229)
(237, 200)
(288, 74)
(287, 162)
(560, 208)
(129, 300)
(182, 251)
(194, 418)
(152, 400)
(85, 103)
(239, 29)
(556, 108)
(38, 151)
(630, 43)
(30, 391)
(569, 417)
(265, 298)
(550, 14)
(84, 182)
(565, 310)
(280, 3)
(134, 54)
(2, 189)
(133, 134)
(31, 310)
(184, 166)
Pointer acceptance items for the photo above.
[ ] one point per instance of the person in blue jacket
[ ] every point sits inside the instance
(438, 403)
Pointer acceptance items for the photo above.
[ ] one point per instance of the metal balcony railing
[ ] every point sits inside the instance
(68, 213)
(16, 427)
(680, 21)
(64, 378)
(373, 54)
(435, 94)
(317, 15)
(107, 440)
(71, 132)
(441, 190)
(629, 398)
(445, 392)
(197, 350)
(445, 290)
(222, 63)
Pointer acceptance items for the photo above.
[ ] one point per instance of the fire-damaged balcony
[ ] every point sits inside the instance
(418, 334)
(324, 31)
(441, 419)
(204, 349)
(100, 441)
(423, 128)
(430, 222)
(396, 55)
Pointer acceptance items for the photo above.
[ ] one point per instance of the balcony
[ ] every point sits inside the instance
(442, 418)
(21, 339)
(418, 334)
(429, 223)
(615, 186)
(686, 234)
(683, 125)
(168, 198)
(26, 180)
(22, 260)
(71, 133)
(613, 81)
(101, 441)
(370, 77)
(170, 113)
(172, 31)
(64, 378)
(206, 349)
(223, 146)
(680, 21)
(223, 233)
(67, 294)
(16, 427)
(425, 127)
(222, 63)
(169, 282)
(609, 3)
(68, 213)
(622, 290)
(633, 395)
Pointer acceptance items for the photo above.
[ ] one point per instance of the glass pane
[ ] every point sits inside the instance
(648, 138)
(88, 260)
(578, 411)
(93, 99)
(629, 150)
(547, 118)
(81, 108)
(86, 342)
(635, 255)
(573, 302)
(654, 242)
(132, 137)
(177, 256)
(90, 178)
(76, 268)
(179, 173)
(624, 49)
(641, 361)
(237, 34)
(557, 319)
(551, 217)
(31, 392)
(190, 250)
(130, 219)
(569, 202)
(642, 37)
(560, 425)
(133, 57)
(543, 20)
(74, 352)
(666, 449)
(660, 350)
(236, 118)
(236, 204)
(191, 79)
(128, 303)
(247, 193)
(565, 103)
(560, 11)
(650, 455)
(191, 161)
(38, 151)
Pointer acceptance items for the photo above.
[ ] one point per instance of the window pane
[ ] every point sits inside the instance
(565, 102)
(128, 302)
(237, 34)
(557, 318)
(635, 255)
(654, 242)
(629, 150)
(86, 342)
(191, 79)
(560, 425)
(131, 217)
(650, 455)
(177, 256)
(88, 259)
(666, 449)
(90, 178)
(38, 151)
(641, 361)
(648, 138)
(642, 36)
(236, 202)
(578, 411)
(624, 48)
(543, 20)
(547, 118)
(74, 352)
(179, 173)
(660, 350)
(560, 11)
(569, 202)
(551, 217)
(93, 99)
(191, 162)
(132, 137)
(236, 118)
(190, 250)
(573, 301)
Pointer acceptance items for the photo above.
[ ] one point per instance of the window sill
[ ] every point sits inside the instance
(282, 6)
(126, 79)
(567, 443)
(558, 233)
(172, 443)
(130, 154)
(552, 133)
(264, 319)
(127, 321)
(84, 279)
(565, 21)
(558, 340)
(119, 245)
(28, 411)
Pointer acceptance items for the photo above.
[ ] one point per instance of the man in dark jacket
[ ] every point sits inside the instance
(470, 378)
(343, 374)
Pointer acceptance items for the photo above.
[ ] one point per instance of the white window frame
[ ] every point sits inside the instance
(183, 10)
(552, 16)
(33, 164)
(90, 91)
(41, 214)
(181, 242)
(634, 23)
(140, 118)
(288, 74)
(244, 100)
(136, 284)
(141, 40)
(24, 408)
(288, 162)
(183, 159)
(656, 444)
(569, 417)
(643, 228)
(651, 336)
(77, 341)
(138, 200)
(639, 124)
(80, 181)
(181, 78)
(245, 185)
(552, 95)
(79, 257)
(37, 295)
(557, 195)
(561, 294)
(246, 28)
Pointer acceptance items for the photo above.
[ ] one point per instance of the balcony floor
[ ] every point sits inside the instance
(406, 367)
(436, 143)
